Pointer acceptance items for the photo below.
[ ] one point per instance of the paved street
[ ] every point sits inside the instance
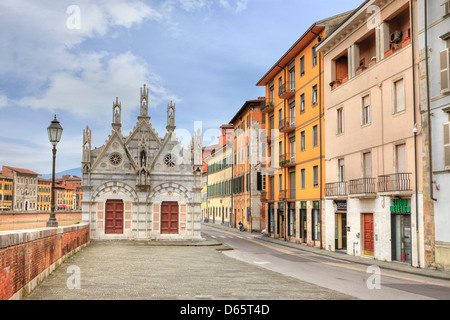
(336, 274)
(138, 270)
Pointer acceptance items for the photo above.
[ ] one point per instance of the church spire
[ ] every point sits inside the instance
(144, 104)
(117, 114)
(170, 117)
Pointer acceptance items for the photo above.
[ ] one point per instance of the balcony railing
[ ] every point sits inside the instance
(336, 189)
(268, 106)
(394, 182)
(287, 125)
(362, 186)
(287, 160)
(287, 90)
(288, 194)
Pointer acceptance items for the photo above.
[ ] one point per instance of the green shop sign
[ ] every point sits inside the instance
(400, 206)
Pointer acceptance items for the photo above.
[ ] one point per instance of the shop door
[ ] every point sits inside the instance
(169, 218)
(401, 238)
(341, 231)
(114, 217)
(280, 223)
(368, 234)
(303, 225)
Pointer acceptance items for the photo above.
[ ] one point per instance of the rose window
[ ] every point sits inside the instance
(115, 159)
(169, 160)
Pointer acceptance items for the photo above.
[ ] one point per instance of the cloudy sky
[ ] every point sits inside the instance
(73, 58)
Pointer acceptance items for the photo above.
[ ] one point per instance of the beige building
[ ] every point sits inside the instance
(25, 186)
(373, 146)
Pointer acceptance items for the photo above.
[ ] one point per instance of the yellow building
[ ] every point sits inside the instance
(6, 193)
(295, 130)
(44, 194)
(69, 198)
(219, 185)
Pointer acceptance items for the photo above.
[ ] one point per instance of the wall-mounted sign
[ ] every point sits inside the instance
(400, 206)
(341, 205)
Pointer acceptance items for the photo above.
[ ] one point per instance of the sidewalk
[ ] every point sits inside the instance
(396, 266)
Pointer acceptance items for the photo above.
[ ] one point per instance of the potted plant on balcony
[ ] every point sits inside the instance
(360, 69)
(345, 79)
(332, 83)
(372, 61)
(391, 50)
(406, 41)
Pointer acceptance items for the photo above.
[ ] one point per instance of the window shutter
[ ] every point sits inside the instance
(447, 145)
(445, 70)
(258, 181)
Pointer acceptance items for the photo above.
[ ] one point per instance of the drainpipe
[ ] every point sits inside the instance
(415, 126)
(285, 169)
(320, 147)
(430, 153)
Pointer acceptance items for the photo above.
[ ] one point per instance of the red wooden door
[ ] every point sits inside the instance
(169, 218)
(114, 217)
(368, 235)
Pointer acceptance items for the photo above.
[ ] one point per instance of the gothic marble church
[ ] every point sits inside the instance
(142, 186)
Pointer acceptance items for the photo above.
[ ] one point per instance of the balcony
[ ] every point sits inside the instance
(288, 194)
(287, 125)
(287, 90)
(362, 188)
(268, 107)
(336, 190)
(395, 184)
(264, 195)
(287, 160)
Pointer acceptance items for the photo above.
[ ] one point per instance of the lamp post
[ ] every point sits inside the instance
(54, 136)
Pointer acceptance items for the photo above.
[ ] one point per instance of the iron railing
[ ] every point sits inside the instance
(287, 160)
(362, 186)
(336, 189)
(287, 124)
(394, 182)
(287, 90)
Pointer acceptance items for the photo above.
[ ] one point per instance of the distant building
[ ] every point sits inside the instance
(219, 179)
(6, 193)
(25, 184)
(248, 124)
(44, 194)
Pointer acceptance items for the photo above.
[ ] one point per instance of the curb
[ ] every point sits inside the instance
(437, 274)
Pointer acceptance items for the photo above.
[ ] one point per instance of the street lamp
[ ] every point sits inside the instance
(54, 136)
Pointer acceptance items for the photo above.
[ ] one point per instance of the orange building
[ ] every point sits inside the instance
(44, 194)
(294, 116)
(248, 124)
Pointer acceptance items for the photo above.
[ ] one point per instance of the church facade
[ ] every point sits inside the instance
(142, 186)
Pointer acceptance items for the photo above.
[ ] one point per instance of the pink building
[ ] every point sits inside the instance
(373, 139)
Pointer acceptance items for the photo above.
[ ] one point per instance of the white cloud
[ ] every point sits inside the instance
(3, 101)
(103, 77)
(46, 54)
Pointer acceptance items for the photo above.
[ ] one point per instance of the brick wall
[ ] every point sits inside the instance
(27, 257)
(32, 220)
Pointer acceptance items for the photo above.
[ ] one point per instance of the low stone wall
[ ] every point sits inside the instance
(27, 257)
(13, 220)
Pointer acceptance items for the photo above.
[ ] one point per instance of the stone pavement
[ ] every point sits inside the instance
(396, 266)
(134, 270)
